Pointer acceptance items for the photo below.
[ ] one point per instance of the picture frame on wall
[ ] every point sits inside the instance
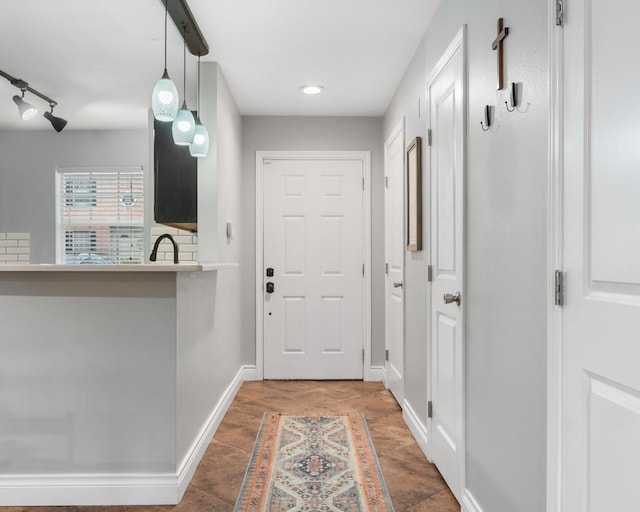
(414, 195)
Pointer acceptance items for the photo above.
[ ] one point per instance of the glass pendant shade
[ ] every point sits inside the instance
(200, 145)
(184, 126)
(27, 110)
(164, 100)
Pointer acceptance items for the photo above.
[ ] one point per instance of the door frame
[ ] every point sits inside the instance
(555, 261)
(365, 158)
(459, 42)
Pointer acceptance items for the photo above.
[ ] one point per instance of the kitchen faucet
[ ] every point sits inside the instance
(154, 252)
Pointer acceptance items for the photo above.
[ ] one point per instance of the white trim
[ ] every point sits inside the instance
(377, 374)
(555, 261)
(459, 42)
(191, 460)
(417, 428)
(365, 157)
(120, 488)
(469, 503)
(249, 372)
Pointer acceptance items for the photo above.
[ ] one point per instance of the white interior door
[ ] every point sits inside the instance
(445, 90)
(600, 433)
(394, 261)
(313, 241)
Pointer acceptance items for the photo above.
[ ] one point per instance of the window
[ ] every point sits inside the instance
(100, 215)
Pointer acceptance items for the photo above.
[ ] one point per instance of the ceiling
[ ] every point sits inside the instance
(100, 59)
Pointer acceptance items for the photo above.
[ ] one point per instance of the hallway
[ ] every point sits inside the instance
(414, 484)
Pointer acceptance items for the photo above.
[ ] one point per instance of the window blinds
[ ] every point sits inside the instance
(100, 215)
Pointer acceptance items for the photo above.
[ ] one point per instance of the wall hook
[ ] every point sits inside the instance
(514, 97)
(487, 118)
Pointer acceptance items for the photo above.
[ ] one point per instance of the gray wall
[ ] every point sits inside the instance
(27, 175)
(506, 250)
(316, 133)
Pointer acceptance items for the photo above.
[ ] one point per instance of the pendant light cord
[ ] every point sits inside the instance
(166, 11)
(184, 67)
(198, 90)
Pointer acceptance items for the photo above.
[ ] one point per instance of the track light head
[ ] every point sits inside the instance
(27, 110)
(57, 122)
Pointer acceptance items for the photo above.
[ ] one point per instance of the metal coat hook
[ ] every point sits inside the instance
(514, 97)
(487, 118)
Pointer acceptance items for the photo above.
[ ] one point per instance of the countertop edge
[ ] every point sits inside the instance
(198, 267)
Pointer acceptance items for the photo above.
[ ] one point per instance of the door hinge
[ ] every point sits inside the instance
(429, 409)
(363, 355)
(386, 354)
(363, 270)
(386, 268)
(560, 13)
(362, 183)
(429, 273)
(559, 288)
(429, 137)
(386, 182)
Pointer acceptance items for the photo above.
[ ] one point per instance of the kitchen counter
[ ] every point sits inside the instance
(113, 379)
(147, 267)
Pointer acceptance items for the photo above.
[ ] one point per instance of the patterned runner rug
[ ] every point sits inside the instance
(313, 463)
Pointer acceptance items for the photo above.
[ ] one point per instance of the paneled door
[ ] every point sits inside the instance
(446, 95)
(394, 260)
(313, 268)
(600, 431)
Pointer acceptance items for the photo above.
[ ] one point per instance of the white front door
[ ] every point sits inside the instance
(394, 259)
(600, 431)
(314, 243)
(446, 95)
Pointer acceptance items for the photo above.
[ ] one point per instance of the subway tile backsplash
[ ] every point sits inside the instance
(15, 248)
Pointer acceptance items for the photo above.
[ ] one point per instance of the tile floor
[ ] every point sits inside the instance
(414, 484)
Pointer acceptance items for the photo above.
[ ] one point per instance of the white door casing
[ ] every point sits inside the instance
(312, 229)
(595, 399)
(446, 97)
(394, 260)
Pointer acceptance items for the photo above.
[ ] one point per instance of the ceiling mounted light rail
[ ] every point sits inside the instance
(28, 111)
(187, 25)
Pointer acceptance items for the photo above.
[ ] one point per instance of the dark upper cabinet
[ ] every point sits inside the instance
(176, 181)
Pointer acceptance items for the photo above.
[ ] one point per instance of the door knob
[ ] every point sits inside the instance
(270, 287)
(397, 284)
(448, 298)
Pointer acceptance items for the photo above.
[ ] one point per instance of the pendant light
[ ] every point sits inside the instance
(164, 100)
(200, 145)
(184, 126)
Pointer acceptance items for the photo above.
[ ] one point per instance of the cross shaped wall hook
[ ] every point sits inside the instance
(503, 32)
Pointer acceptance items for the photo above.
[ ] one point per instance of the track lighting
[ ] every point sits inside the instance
(164, 99)
(184, 125)
(57, 122)
(200, 145)
(28, 111)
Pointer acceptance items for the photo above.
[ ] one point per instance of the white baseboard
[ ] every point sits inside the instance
(416, 427)
(77, 489)
(376, 374)
(120, 488)
(249, 372)
(194, 455)
(469, 503)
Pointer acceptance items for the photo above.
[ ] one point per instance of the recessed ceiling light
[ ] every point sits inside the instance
(312, 89)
